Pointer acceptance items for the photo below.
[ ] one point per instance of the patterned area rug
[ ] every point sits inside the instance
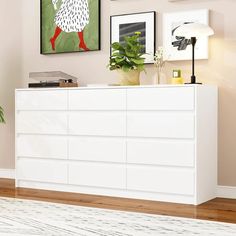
(24, 217)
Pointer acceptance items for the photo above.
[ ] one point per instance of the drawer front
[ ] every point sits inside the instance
(97, 175)
(160, 125)
(36, 122)
(41, 100)
(161, 180)
(97, 149)
(99, 99)
(42, 171)
(97, 123)
(41, 146)
(170, 153)
(160, 98)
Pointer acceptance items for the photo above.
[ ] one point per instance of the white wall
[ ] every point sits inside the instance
(10, 74)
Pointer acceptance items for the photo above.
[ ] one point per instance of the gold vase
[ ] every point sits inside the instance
(131, 77)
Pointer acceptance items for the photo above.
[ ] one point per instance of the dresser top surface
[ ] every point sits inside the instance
(117, 87)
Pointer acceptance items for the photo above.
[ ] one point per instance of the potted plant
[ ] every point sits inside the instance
(1, 116)
(127, 59)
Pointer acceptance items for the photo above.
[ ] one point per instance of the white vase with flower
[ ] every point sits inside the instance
(159, 62)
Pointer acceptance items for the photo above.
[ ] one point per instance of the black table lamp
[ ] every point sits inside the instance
(193, 31)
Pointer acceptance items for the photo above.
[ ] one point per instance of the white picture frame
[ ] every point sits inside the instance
(175, 19)
(148, 19)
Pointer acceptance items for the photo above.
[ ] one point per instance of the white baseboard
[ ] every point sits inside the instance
(226, 192)
(7, 173)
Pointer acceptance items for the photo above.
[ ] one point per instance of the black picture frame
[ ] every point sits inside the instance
(42, 51)
(135, 19)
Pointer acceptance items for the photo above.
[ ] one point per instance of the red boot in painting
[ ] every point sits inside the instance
(54, 38)
(82, 44)
(71, 17)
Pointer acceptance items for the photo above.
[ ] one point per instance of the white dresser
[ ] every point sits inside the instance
(156, 143)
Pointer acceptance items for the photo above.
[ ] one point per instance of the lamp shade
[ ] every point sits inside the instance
(194, 30)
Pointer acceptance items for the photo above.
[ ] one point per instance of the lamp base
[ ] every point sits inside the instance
(193, 83)
(193, 80)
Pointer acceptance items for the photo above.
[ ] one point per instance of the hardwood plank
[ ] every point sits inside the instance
(7, 183)
(219, 209)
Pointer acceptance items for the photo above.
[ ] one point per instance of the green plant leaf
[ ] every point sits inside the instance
(2, 115)
(126, 68)
(117, 46)
(140, 67)
(115, 54)
(128, 54)
(118, 59)
(137, 61)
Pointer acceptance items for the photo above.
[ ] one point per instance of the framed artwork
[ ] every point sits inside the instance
(176, 48)
(69, 26)
(128, 24)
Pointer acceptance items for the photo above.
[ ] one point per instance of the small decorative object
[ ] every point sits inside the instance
(2, 120)
(176, 77)
(194, 31)
(126, 25)
(127, 58)
(176, 45)
(70, 26)
(159, 63)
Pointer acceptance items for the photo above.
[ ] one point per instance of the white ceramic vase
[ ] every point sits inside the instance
(159, 77)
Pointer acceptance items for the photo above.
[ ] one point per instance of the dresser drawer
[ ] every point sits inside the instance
(39, 122)
(97, 149)
(171, 98)
(161, 180)
(42, 171)
(97, 175)
(99, 99)
(97, 123)
(41, 146)
(41, 100)
(155, 152)
(160, 124)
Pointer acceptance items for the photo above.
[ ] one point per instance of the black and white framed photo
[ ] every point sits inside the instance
(128, 24)
(179, 48)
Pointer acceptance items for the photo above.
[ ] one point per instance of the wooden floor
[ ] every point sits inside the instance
(218, 209)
